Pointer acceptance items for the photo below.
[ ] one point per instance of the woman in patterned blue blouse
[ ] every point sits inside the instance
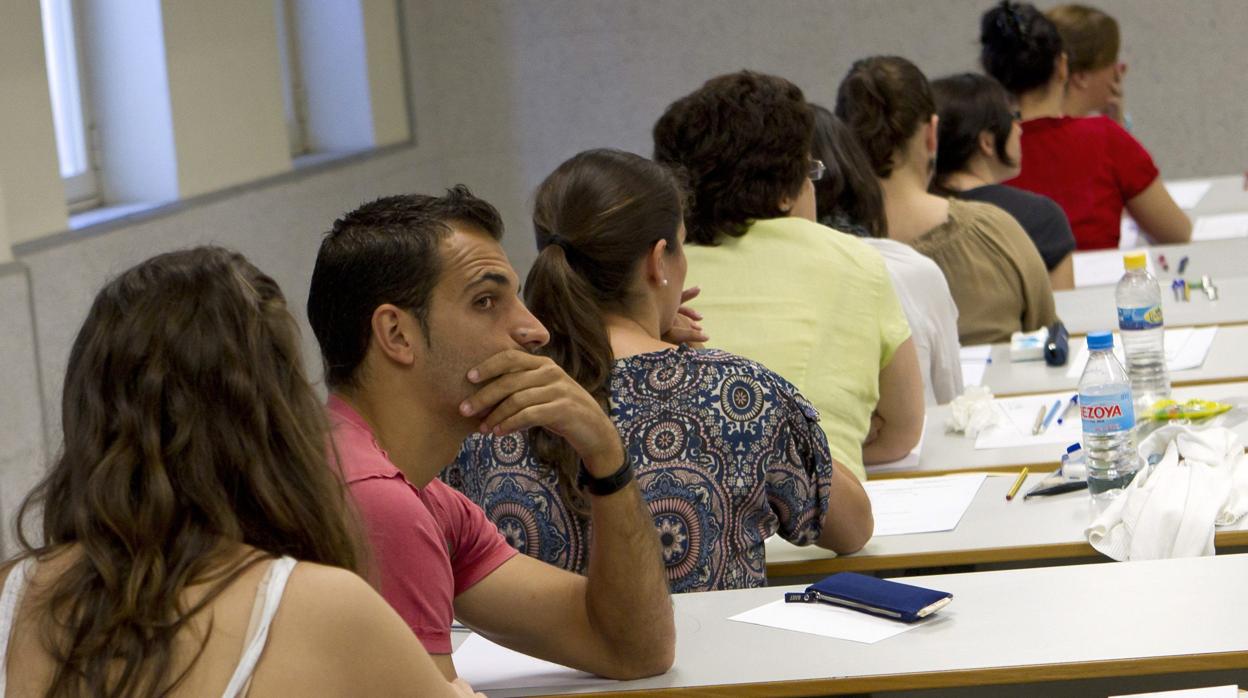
(726, 452)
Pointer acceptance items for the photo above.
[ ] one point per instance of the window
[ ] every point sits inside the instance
(69, 107)
(294, 96)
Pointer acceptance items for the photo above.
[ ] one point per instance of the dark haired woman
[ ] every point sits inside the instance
(728, 452)
(1090, 166)
(848, 198)
(815, 305)
(994, 272)
(197, 541)
(980, 148)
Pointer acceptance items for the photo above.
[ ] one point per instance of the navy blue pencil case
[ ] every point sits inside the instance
(879, 597)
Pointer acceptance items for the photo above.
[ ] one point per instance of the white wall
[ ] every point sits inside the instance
(503, 90)
(22, 456)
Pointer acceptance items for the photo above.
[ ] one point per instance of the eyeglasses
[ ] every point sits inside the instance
(1016, 115)
(815, 173)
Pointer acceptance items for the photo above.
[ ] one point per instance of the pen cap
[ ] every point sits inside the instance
(1134, 260)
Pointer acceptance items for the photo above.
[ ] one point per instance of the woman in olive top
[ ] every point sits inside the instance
(813, 304)
(994, 271)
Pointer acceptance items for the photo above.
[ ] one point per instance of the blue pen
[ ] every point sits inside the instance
(1049, 417)
(1074, 400)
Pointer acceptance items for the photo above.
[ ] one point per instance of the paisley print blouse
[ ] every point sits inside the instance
(726, 453)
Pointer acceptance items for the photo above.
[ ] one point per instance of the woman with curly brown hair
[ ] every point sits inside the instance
(196, 541)
(813, 304)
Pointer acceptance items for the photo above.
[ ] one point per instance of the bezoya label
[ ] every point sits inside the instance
(1143, 318)
(1102, 414)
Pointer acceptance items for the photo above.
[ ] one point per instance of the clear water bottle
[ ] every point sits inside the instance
(1108, 415)
(1143, 333)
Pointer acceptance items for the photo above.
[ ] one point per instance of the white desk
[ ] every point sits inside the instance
(1003, 628)
(1220, 259)
(992, 530)
(1227, 361)
(1226, 195)
(1091, 309)
(943, 452)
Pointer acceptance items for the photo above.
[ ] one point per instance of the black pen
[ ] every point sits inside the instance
(1060, 488)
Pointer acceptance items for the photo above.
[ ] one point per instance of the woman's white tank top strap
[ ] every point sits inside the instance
(268, 598)
(9, 599)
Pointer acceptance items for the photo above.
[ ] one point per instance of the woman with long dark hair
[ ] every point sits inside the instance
(195, 540)
(726, 452)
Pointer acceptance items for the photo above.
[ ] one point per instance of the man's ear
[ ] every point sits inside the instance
(1078, 80)
(396, 334)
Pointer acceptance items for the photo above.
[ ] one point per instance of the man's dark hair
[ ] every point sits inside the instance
(884, 100)
(968, 105)
(385, 251)
(740, 143)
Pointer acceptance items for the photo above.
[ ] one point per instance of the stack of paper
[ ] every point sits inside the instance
(488, 666)
(1017, 419)
(1188, 194)
(1186, 348)
(1221, 226)
(921, 504)
(1103, 267)
(822, 619)
(975, 360)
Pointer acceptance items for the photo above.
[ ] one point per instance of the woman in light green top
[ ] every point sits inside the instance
(813, 304)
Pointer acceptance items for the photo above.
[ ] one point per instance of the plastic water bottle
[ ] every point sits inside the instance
(1108, 415)
(1143, 334)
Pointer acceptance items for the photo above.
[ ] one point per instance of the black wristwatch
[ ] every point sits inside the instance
(603, 486)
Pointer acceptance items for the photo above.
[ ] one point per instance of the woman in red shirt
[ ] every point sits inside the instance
(1090, 166)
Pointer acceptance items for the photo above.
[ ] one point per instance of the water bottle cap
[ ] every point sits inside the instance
(1100, 340)
(1134, 260)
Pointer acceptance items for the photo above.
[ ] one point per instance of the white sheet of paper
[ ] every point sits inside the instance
(976, 352)
(909, 461)
(973, 373)
(1017, 417)
(921, 504)
(822, 619)
(1220, 227)
(1103, 267)
(1209, 692)
(1188, 194)
(1186, 348)
(489, 666)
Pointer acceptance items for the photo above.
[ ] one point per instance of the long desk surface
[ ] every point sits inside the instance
(1226, 361)
(1091, 309)
(992, 530)
(1220, 259)
(1226, 195)
(1003, 628)
(943, 452)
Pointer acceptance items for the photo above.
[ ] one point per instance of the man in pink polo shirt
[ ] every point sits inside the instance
(425, 340)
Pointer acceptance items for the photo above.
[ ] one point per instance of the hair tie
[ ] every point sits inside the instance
(559, 241)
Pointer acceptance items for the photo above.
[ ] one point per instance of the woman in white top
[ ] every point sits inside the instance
(848, 198)
(193, 476)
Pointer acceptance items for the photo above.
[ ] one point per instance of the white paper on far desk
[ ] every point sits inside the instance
(822, 619)
(488, 666)
(1186, 348)
(921, 504)
(975, 360)
(1103, 267)
(1220, 227)
(1188, 194)
(1017, 419)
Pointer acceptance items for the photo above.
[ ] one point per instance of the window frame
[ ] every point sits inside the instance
(82, 190)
